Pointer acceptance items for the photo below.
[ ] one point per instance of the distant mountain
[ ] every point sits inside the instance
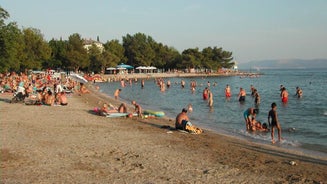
(284, 64)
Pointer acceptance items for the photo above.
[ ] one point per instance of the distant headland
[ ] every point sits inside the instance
(285, 64)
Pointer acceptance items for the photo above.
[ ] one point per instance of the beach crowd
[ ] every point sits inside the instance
(41, 88)
(45, 88)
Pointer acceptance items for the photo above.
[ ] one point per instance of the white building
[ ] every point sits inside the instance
(87, 44)
(235, 67)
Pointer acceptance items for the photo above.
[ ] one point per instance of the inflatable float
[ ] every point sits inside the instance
(117, 114)
(154, 113)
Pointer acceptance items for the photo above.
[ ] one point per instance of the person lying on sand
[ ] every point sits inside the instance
(105, 110)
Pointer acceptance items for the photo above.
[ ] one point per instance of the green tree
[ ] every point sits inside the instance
(3, 16)
(97, 62)
(173, 58)
(114, 53)
(77, 57)
(11, 44)
(58, 54)
(36, 50)
(191, 58)
(223, 58)
(165, 57)
(138, 49)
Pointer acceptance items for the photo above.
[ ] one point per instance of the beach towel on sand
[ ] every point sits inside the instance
(192, 129)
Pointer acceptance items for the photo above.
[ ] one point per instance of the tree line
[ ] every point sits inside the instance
(23, 49)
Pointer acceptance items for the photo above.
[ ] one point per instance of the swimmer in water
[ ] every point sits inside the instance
(189, 108)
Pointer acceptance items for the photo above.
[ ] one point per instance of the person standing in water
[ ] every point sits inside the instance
(274, 122)
(116, 94)
(142, 83)
(241, 95)
(284, 95)
(210, 99)
(298, 92)
(205, 93)
(256, 97)
(182, 83)
(228, 91)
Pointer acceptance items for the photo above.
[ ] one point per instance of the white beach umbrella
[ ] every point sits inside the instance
(140, 68)
(152, 68)
(78, 78)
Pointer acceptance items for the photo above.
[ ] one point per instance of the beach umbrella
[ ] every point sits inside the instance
(122, 65)
(120, 68)
(78, 78)
(111, 68)
(152, 68)
(140, 68)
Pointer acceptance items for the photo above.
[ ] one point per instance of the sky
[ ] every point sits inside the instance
(251, 29)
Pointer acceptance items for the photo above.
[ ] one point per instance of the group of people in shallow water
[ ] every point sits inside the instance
(254, 125)
(250, 114)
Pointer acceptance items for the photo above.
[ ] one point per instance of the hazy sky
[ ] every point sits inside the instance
(251, 29)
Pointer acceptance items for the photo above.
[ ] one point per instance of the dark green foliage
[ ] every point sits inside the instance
(26, 49)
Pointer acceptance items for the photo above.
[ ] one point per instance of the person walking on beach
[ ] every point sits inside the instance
(116, 94)
(274, 122)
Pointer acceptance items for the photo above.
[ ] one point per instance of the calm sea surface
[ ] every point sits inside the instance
(303, 121)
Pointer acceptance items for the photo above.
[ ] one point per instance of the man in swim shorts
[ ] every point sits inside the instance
(227, 91)
(181, 120)
(241, 95)
(272, 115)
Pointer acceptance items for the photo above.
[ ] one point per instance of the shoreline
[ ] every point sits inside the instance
(85, 148)
(293, 150)
(176, 74)
(299, 149)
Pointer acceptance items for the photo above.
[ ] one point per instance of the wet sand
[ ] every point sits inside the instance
(70, 144)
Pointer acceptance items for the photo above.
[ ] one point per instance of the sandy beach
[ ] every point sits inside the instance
(70, 144)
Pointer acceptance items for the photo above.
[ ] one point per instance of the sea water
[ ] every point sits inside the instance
(303, 121)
